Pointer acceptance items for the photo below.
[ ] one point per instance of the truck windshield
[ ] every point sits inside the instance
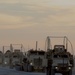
(60, 56)
(64, 56)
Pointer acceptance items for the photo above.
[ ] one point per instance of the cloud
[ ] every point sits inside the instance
(60, 17)
(30, 12)
(14, 22)
(36, 6)
(8, 19)
(9, 1)
(41, 2)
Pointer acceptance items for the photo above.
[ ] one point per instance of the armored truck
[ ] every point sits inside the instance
(60, 60)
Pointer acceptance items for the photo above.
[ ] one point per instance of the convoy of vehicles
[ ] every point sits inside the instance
(56, 58)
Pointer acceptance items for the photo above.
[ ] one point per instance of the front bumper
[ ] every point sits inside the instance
(62, 69)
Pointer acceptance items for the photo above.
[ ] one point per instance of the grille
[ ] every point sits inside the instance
(63, 68)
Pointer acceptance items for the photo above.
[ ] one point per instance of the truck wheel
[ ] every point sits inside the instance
(70, 72)
(65, 74)
(48, 73)
(52, 72)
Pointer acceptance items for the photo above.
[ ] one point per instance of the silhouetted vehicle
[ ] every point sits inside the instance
(6, 58)
(37, 60)
(17, 57)
(60, 60)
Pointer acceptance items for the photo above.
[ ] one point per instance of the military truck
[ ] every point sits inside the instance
(60, 60)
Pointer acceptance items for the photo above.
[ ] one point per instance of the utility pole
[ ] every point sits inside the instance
(48, 43)
(36, 45)
(3, 57)
(11, 49)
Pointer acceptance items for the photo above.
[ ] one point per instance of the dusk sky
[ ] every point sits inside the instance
(28, 21)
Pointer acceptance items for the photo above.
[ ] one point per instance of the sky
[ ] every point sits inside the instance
(27, 21)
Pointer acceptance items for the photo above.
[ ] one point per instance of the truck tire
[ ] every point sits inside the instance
(70, 72)
(52, 72)
(65, 73)
(48, 73)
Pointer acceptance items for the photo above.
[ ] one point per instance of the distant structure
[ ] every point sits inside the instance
(1, 57)
(7, 58)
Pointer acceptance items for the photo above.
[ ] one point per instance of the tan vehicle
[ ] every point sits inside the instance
(60, 60)
(37, 59)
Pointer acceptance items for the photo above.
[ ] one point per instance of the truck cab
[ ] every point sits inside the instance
(59, 48)
(61, 64)
(60, 61)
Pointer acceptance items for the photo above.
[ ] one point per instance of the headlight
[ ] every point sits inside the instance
(31, 63)
(5, 62)
(69, 68)
(56, 67)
